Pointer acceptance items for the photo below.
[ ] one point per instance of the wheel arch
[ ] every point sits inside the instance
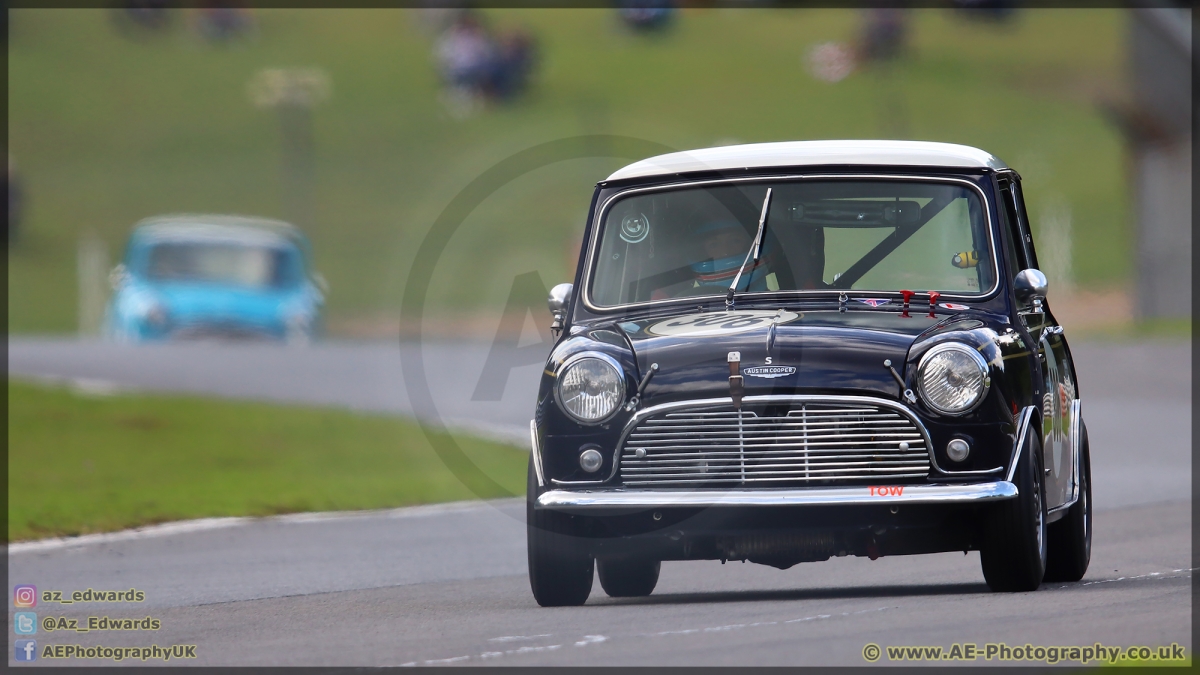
(1029, 415)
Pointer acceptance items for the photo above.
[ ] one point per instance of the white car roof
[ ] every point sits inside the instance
(244, 230)
(813, 153)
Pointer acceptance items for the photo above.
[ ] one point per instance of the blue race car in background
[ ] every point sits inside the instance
(202, 276)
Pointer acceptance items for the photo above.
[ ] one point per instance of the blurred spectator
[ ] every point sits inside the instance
(142, 17)
(646, 16)
(225, 21)
(986, 10)
(885, 34)
(16, 195)
(477, 64)
(517, 55)
(465, 52)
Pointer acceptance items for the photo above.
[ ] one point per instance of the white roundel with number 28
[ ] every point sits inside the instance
(719, 323)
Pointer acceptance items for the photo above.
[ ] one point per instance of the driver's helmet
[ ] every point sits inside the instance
(721, 271)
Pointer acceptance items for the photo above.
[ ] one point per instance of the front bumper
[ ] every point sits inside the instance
(617, 499)
(225, 330)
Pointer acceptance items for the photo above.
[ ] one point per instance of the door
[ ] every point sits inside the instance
(1058, 386)
(1063, 470)
(1056, 459)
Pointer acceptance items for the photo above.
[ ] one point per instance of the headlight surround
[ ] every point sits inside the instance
(156, 315)
(590, 387)
(952, 378)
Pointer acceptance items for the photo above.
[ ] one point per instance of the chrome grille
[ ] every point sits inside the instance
(802, 443)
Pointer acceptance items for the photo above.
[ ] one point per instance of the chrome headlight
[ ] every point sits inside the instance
(952, 378)
(590, 387)
(156, 315)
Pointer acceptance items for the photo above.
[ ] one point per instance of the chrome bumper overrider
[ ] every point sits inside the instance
(586, 500)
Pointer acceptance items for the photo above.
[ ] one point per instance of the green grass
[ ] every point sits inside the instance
(80, 464)
(108, 130)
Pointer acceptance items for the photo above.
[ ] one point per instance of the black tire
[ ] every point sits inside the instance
(628, 577)
(1069, 540)
(560, 569)
(1014, 547)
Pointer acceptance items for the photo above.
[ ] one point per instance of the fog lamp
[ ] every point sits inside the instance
(958, 449)
(591, 460)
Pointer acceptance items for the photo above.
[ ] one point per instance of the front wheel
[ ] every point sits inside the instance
(628, 578)
(560, 569)
(1014, 547)
(1070, 539)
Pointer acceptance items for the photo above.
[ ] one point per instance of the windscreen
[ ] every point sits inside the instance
(235, 264)
(860, 235)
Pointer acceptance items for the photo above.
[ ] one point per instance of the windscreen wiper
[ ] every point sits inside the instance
(755, 249)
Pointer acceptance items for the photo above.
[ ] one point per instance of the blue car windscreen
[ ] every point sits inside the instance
(232, 264)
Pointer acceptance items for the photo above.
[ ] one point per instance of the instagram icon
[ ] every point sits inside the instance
(25, 596)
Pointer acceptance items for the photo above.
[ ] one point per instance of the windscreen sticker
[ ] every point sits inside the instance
(953, 306)
(719, 323)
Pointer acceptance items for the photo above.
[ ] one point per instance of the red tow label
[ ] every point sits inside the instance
(886, 490)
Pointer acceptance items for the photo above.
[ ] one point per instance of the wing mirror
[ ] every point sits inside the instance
(560, 297)
(1030, 288)
(118, 276)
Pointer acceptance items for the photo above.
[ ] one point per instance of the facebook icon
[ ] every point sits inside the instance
(26, 650)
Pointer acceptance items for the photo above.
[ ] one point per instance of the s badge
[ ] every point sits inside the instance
(770, 372)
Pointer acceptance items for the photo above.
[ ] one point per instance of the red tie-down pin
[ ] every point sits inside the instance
(907, 295)
(933, 298)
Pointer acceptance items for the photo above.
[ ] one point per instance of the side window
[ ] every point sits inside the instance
(1014, 254)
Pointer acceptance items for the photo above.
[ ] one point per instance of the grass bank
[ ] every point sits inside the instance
(81, 463)
(107, 130)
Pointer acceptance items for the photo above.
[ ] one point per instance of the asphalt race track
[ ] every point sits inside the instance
(446, 584)
(361, 376)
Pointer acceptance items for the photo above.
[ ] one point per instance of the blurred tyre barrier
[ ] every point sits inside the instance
(831, 61)
(293, 92)
(273, 87)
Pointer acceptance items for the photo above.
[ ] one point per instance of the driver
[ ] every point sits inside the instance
(726, 243)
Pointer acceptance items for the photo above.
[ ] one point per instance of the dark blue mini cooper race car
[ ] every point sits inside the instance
(791, 351)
